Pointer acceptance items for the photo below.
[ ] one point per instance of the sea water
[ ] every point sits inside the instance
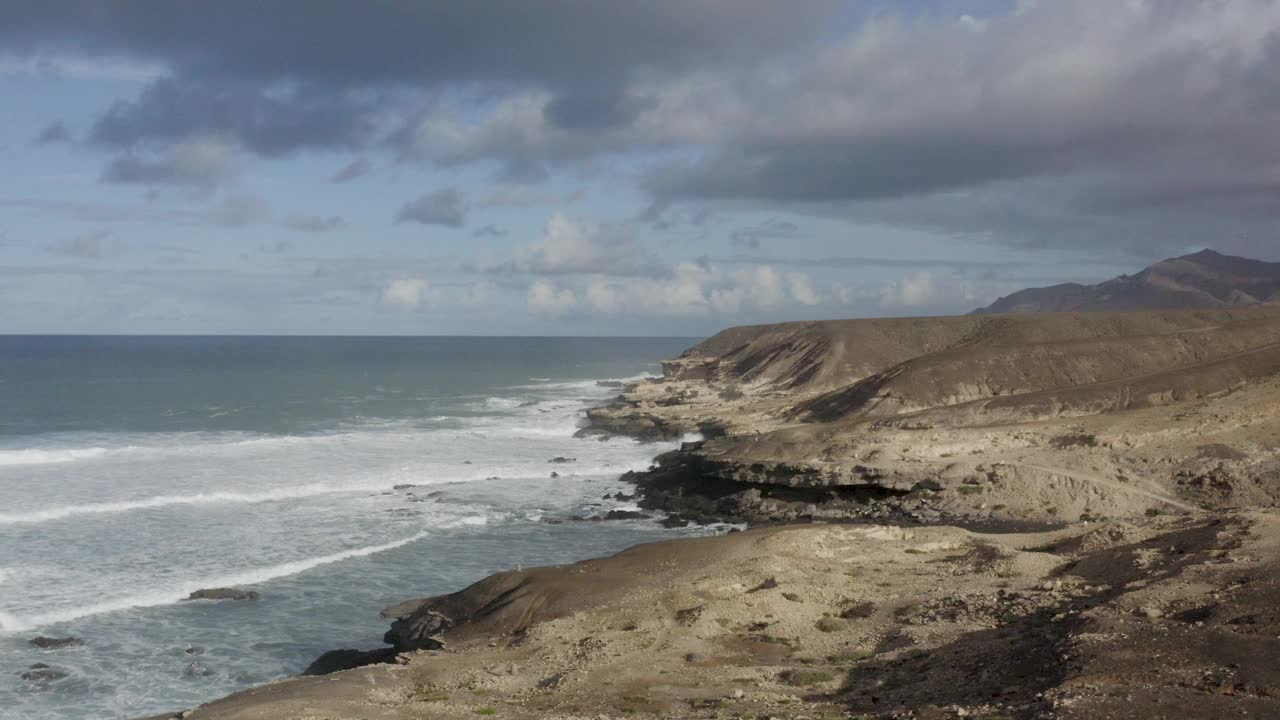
(334, 476)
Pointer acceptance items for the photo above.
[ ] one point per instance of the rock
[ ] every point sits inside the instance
(48, 643)
(674, 521)
(195, 669)
(193, 650)
(403, 486)
(40, 672)
(689, 616)
(223, 594)
(555, 474)
(694, 657)
(561, 460)
(626, 515)
(609, 383)
(623, 497)
(1150, 612)
(347, 659)
(419, 630)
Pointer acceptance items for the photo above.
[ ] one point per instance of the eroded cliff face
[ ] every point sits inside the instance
(1039, 417)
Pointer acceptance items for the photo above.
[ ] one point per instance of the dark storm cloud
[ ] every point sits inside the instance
(354, 45)
(442, 207)
(269, 123)
(1121, 127)
(595, 110)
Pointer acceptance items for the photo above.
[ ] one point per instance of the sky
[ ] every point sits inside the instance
(583, 167)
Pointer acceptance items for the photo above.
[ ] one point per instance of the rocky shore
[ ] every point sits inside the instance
(1045, 418)
(1052, 516)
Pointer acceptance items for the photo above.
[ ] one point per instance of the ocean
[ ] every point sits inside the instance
(334, 476)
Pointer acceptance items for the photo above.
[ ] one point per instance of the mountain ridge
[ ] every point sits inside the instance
(1201, 280)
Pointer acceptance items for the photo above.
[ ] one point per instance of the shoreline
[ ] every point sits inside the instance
(919, 546)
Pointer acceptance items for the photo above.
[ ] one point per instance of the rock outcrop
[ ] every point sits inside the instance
(223, 594)
(950, 418)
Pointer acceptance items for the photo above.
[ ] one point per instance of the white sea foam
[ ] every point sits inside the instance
(170, 595)
(39, 456)
(106, 508)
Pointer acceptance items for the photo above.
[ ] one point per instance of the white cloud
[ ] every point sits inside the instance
(687, 290)
(914, 291)
(545, 298)
(575, 246)
(409, 293)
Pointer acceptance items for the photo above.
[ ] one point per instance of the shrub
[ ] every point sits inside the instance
(806, 677)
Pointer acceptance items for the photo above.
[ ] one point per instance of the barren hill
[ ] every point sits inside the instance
(1017, 416)
(1206, 279)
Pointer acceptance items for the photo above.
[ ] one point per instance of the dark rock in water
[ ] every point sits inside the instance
(555, 474)
(562, 459)
(196, 670)
(48, 643)
(466, 462)
(552, 521)
(626, 515)
(403, 486)
(609, 383)
(347, 659)
(193, 650)
(674, 521)
(623, 497)
(223, 594)
(40, 672)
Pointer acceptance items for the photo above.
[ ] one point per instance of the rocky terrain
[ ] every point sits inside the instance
(1167, 617)
(1055, 417)
(1014, 516)
(1206, 279)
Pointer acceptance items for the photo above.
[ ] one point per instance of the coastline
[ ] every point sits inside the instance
(1122, 537)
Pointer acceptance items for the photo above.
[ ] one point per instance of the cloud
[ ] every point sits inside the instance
(409, 293)
(928, 292)
(387, 43)
(54, 133)
(575, 246)
(314, 223)
(263, 121)
(489, 230)
(546, 298)
(199, 163)
(442, 207)
(355, 169)
(688, 290)
(1137, 126)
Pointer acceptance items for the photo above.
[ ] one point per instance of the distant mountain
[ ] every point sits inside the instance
(1206, 279)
